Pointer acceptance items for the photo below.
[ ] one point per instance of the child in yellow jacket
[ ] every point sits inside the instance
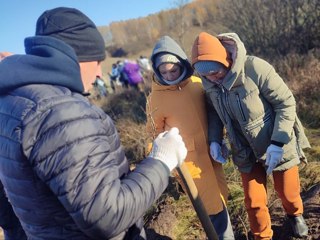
(177, 100)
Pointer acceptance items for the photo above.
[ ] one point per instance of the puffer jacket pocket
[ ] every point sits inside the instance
(258, 134)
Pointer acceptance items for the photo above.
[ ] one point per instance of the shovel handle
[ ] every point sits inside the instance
(192, 192)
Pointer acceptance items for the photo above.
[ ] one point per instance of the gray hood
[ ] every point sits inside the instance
(168, 45)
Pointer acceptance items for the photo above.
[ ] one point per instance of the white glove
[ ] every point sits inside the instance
(274, 156)
(216, 154)
(169, 148)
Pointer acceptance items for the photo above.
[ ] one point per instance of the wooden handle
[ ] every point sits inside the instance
(192, 192)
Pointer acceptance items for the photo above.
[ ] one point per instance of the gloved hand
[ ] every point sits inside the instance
(274, 156)
(169, 148)
(215, 152)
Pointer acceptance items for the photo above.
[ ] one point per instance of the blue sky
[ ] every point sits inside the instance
(18, 17)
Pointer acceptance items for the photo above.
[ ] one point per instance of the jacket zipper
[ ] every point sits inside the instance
(225, 113)
(228, 109)
(240, 107)
(220, 105)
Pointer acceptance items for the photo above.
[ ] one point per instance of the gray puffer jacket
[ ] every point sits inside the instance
(256, 107)
(61, 163)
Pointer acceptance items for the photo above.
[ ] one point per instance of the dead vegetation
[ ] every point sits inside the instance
(297, 61)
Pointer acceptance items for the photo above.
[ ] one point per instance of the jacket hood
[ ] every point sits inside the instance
(47, 61)
(238, 54)
(167, 45)
(207, 47)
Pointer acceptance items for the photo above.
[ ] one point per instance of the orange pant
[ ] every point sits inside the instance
(287, 186)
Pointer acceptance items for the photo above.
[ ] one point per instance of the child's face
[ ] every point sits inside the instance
(170, 71)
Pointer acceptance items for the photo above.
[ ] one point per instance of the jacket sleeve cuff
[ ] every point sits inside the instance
(279, 144)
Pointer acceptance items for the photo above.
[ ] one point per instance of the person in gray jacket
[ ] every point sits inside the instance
(258, 110)
(62, 167)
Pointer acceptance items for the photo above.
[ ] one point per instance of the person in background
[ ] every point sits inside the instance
(123, 78)
(145, 66)
(177, 100)
(132, 71)
(101, 87)
(258, 110)
(114, 76)
(62, 165)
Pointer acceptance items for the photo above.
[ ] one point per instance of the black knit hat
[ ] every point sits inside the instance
(74, 28)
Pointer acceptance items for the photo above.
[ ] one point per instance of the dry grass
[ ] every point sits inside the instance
(188, 224)
(133, 139)
(302, 74)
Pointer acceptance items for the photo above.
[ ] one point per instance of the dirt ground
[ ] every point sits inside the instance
(160, 228)
(311, 201)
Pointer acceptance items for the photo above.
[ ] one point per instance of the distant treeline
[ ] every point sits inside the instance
(273, 27)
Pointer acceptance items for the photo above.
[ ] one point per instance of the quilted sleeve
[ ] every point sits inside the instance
(75, 149)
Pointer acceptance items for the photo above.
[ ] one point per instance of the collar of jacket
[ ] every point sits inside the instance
(158, 87)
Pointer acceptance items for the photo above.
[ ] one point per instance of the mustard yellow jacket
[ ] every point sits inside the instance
(183, 106)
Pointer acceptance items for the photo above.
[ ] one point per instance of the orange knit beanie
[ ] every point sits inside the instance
(208, 48)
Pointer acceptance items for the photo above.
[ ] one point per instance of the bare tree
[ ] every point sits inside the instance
(274, 26)
(181, 20)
